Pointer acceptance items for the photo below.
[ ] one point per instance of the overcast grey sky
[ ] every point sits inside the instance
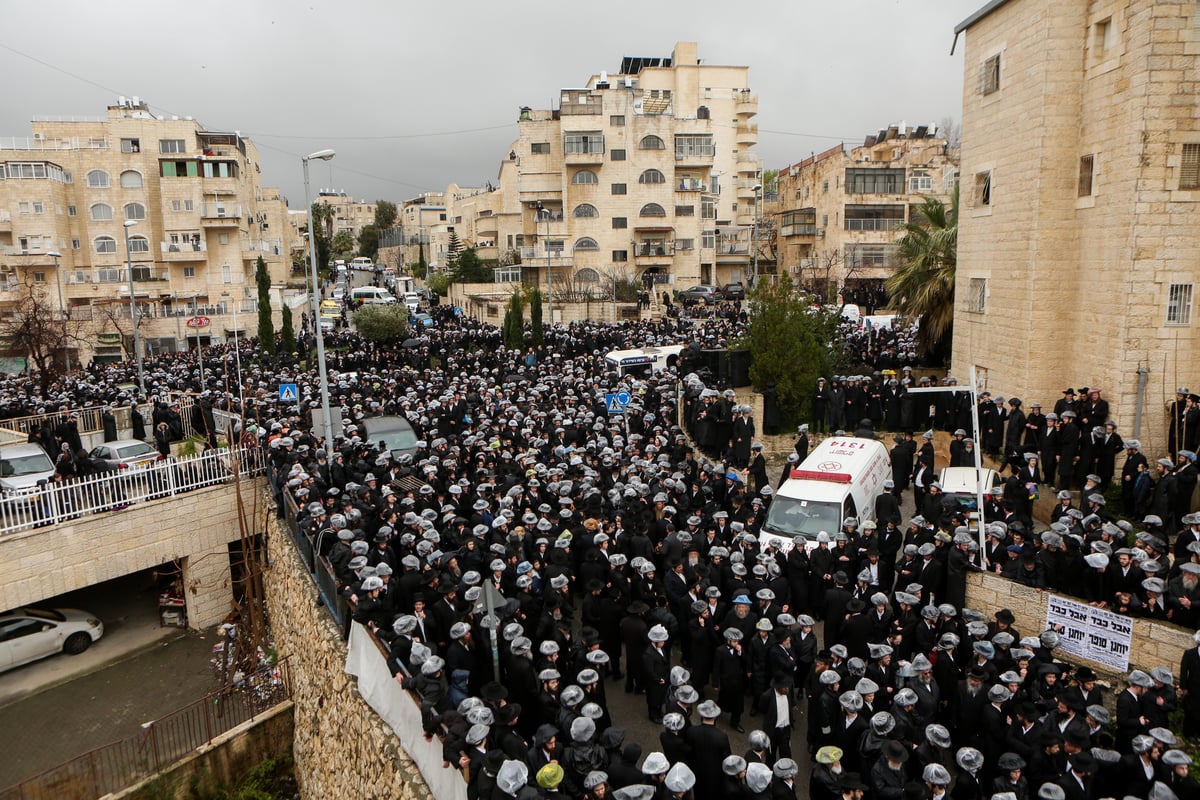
(358, 75)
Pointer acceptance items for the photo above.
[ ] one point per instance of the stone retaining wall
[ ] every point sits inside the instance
(342, 748)
(1154, 644)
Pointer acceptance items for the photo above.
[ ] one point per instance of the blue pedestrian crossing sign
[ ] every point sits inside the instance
(616, 402)
(288, 393)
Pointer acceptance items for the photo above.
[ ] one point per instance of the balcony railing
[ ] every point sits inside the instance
(745, 102)
(595, 106)
(79, 277)
(798, 230)
(874, 224)
(51, 143)
(661, 250)
(274, 246)
(182, 248)
(220, 211)
(726, 247)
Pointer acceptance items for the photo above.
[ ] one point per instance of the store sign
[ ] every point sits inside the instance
(197, 322)
(1091, 633)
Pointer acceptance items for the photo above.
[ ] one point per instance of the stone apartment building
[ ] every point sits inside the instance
(201, 218)
(839, 213)
(1079, 237)
(349, 215)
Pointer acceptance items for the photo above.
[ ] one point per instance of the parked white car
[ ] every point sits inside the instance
(29, 634)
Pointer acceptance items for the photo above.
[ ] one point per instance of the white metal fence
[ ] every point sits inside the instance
(53, 502)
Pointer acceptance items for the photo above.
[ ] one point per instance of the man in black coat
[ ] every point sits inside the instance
(729, 677)
(710, 747)
(656, 666)
(775, 704)
(836, 601)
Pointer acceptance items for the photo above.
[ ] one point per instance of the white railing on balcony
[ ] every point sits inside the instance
(51, 143)
(76, 277)
(220, 210)
(183, 247)
(874, 224)
(51, 503)
(274, 246)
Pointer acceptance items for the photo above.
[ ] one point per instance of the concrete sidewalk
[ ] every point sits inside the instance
(111, 703)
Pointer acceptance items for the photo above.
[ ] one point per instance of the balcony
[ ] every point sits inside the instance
(747, 134)
(588, 157)
(537, 257)
(651, 253)
(6, 221)
(733, 247)
(270, 246)
(745, 103)
(80, 277)
(221, 215)
(183, 251)
(691, 185)
(749, 162)
(579, 105)
(800, 229)
(540, 185)
(700, 156)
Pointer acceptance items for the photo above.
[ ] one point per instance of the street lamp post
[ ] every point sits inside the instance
(754, 240)
(237, 351)
(133, 315)
(544, 213)
(323, 155)
(62, 303)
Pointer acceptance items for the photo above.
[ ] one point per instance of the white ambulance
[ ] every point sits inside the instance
(644, 360)
(840, 478)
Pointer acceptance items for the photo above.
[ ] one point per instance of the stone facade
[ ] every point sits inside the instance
(342, 748)
(1154, 644)
(1080, 202)
(835, 225)
(194, 529)
(202, 214)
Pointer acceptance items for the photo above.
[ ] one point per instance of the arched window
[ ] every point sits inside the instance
(586, 243)
(135, 211)
(98, 179)
(131, 179)
(652, 176)
(652, 210)
(102, 212)
(106, 244)
(587, 275)
(139, 244)
(651, 142)
(585, 211)
(585, 177)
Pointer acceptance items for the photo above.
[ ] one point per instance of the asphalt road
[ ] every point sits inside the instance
(48, 728)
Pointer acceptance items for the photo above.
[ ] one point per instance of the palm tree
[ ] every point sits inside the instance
(922, 287)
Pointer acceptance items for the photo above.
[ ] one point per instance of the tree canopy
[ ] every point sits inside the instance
(385, 214)
(382, 324)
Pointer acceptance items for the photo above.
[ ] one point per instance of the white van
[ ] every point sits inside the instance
(644, 360)
(361, 263)
(840, 478)
(371, 295)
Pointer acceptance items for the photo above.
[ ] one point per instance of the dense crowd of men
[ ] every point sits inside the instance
(629, 560)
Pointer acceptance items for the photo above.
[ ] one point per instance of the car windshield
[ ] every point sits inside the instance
(790, 517)
(134, 449)
(25, 465)
(396, 437)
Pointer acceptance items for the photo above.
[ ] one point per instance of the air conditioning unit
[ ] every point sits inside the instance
(37, 137)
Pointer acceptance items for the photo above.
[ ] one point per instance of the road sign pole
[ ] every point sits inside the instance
(495, 623)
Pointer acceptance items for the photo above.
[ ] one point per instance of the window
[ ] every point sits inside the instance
(109, 275)
(38, 207)
(586, 243)
(587, 275)
(587, 143)
(1086, 166)
(618, 188)
(507, 274)
(617, 120)
(873, 217)
(651, 142)
(708, 240)
(181, 205)
(869, 180)
(226, 274)
(189, 272)
(989, 76)
(76, 244)
(585, 211)
(618, 154)
(685, 211)
(983, 188)
(1189, 166)
(584, 177)
(919, 181)
(97, 143)
(694, 144)
(977, 295)
(135, 211)
(685, 244)
(540, 148)
(870, 255)
(178, 169)
(708, 208)
(1103, 37)
(131, 145)
(620, 256)
(131, 179)
(172, 146)
(106, 244)
(652, 210)
(102, 212)
(139, 244)
(219, 169)
(652, 176)
(619, 223)
(1179, 304)
(72, 211)
(97, 179)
